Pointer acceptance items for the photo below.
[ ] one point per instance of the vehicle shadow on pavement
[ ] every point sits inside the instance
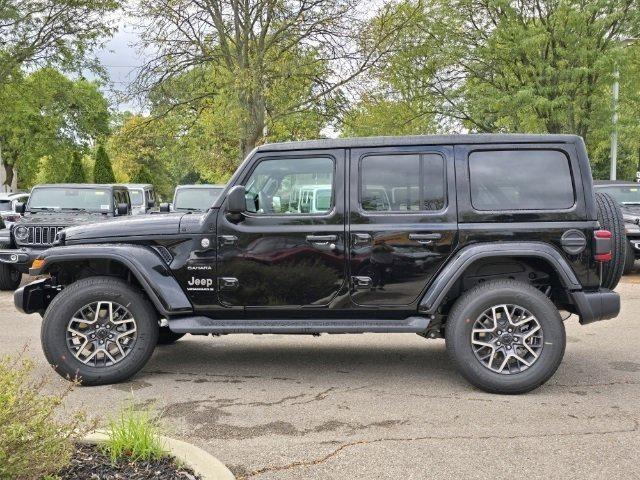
(304, 359)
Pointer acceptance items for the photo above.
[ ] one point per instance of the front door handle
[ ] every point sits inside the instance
(228, 283)
(324, 239)
(425, 238)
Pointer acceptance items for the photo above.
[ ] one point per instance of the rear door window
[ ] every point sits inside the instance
(520, 180)
(402, 183)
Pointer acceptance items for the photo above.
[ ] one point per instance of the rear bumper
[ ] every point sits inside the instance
(595, 306)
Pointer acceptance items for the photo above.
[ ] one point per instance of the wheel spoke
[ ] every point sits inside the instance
(91, 331)
(507, 339)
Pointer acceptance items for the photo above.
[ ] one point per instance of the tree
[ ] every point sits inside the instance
(51, 169)
(510, 66)
(255, 53)
(102, 171)
(51, 32)
(76, 169)
(46, 113)
(143, 175)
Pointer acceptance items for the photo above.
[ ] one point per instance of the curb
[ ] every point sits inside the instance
(202, 463)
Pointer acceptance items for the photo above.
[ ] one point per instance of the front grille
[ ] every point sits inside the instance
(42, 235)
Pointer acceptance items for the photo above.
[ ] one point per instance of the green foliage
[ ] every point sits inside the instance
(33, 441)
(76, 169)
(499, 66)
(143, 175)
(135, 435)
(47, 114)
(52, 169)
(102, 170)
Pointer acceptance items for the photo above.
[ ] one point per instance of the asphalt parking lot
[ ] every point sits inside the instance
(381, 406)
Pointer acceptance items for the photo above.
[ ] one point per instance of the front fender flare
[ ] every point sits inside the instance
(145, 264)
(460, 261)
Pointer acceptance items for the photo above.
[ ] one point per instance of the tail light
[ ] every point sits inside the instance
(603, 245)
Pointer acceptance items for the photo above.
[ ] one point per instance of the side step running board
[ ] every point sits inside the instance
(330, 325)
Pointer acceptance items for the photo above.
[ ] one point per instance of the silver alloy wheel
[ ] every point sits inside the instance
(101, 334)
(507, 339)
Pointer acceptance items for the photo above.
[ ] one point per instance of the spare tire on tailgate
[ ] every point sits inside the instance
(610, 218)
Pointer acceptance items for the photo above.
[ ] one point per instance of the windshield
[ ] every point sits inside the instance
(137, 197)
(196, 198)
(69, 198)
(623, 193)
(5, 205)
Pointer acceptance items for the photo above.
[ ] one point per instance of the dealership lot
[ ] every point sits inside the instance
(386, 406)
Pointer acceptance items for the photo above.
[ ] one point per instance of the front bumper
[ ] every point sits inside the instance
(595, 306)
(20, 258)
(35, 296)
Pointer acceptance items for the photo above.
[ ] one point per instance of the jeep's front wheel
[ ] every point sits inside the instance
(99, 330)
(505, 337)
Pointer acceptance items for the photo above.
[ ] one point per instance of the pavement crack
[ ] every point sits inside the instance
(316, 461)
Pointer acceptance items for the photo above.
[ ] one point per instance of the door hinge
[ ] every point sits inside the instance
(228, 283)
(227, 240)
(361, 282)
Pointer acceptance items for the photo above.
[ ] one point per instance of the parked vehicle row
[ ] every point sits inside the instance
(51, 208)
(478, 239)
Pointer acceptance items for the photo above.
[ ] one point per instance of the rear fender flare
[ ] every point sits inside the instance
(458, 264)
(144, 263)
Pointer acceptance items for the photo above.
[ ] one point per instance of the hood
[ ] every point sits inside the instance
(631, 211)
(125, 227)
(61, 219)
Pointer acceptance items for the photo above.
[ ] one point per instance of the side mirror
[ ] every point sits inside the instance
(21, 207)
(236, 203)
(152, 203)
(123, 209)
(164, 207)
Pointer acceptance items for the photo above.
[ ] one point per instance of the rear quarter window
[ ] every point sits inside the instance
(520, 180)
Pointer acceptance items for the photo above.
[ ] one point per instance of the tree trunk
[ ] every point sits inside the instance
(7, 177)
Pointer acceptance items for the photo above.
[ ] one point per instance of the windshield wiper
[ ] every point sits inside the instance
(53, 209)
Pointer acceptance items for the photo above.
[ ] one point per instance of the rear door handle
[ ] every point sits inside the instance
(321, 238)
(425, 238)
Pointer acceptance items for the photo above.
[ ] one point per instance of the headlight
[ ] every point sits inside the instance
(21, 233)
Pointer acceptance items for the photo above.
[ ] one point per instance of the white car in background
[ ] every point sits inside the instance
(8, 202)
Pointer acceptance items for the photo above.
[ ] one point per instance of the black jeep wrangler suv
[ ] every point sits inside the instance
(50, 209)
(480, 239)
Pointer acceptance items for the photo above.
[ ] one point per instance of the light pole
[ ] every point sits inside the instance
(614, 116)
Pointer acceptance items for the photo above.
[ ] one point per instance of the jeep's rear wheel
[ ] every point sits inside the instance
(99, 330)
(167, 337)
(610, 218)
(505, 337)
(10, 278)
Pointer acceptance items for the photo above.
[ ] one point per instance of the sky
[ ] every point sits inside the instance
(120, 58)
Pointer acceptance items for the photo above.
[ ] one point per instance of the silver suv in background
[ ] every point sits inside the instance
(8, 202)
(143, 197)
(193, 198)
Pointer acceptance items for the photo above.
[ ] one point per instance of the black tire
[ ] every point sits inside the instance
(610, 218)
(76, 296)
(459, 326)
(167, 337)
(10, 278)
(630, 260)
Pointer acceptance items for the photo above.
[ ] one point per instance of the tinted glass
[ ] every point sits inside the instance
(629, 194)
(196, 198)
(137, 200)
(402, 183)
(291, 186)
(59, 198)
(520, 180)
(5, 206)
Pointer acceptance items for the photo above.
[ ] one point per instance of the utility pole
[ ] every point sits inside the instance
(614, 122)
(614, 116)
